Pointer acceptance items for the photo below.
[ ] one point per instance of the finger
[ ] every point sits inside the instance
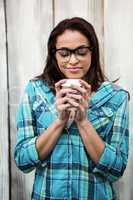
(60, 92)
(83, 103)
(64, 107)
(75, 96)
(65, 91)
(80, 90)
(61, 101)
(86, 104)
(85, 84)
(85, 90)
(73, 103)
(59, 84)
(81, 110)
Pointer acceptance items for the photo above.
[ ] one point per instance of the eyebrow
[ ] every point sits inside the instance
(66, 48)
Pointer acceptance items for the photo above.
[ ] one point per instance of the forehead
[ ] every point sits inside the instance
(71, 39)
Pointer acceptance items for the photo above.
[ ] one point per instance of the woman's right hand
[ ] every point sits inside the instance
(62, 101)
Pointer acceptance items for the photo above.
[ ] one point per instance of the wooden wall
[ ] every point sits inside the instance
(24, 29)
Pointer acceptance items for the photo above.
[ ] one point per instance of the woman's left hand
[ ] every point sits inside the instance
(81, 100)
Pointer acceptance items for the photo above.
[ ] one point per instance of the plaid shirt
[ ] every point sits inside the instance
(68, 173)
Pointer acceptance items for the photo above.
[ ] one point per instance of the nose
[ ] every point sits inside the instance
(73, 59)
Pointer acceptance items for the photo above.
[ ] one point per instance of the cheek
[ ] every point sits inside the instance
(60, 66)
(89, 60)
(58, 62)
(87, 63)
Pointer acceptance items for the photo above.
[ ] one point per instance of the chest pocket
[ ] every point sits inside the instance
(44, 113)
(102, 120)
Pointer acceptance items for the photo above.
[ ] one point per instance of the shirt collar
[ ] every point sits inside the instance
(102, 95)
(44, 89)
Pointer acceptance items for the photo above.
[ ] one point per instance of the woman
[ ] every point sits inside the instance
(83, 160)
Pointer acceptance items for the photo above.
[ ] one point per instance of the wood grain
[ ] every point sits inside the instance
(4, 134)
(118, 54)
(29, 23)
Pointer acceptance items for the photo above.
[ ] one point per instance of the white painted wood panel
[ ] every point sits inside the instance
(4, 145)
(118, 56)
(29, 23)
(67, 9)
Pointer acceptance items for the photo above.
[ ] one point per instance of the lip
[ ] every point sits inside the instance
(73, 69)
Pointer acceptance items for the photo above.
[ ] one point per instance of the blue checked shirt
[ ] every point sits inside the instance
(68, 173)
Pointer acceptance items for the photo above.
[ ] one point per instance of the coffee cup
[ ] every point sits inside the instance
(68, 84)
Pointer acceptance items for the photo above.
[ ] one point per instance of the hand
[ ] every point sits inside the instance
(80, 100)
(62, 101)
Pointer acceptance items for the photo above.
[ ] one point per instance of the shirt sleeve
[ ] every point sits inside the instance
(113, 160)
(25, 152)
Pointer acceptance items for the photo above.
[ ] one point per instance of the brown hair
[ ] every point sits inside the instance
(51, 73)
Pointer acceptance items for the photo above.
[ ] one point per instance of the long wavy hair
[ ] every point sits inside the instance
(51, 73)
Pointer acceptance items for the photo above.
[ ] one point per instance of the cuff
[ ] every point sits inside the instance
(106, 160)
(34, 155)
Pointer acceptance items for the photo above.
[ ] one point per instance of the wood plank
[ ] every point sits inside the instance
(96, 17)
(118, 29)
(4, 165)
(67, 9)
(29, 23)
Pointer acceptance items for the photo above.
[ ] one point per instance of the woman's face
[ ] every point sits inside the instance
(73, 54)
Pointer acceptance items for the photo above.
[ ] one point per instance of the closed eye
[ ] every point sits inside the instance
(82, 51)
(63, 52)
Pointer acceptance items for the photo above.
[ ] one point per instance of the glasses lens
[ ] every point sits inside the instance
(64, 54)
(82, 52)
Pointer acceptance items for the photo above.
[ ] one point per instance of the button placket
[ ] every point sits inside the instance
(69, 166)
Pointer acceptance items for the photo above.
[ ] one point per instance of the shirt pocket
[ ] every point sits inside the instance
(102, 120)
(44, 113)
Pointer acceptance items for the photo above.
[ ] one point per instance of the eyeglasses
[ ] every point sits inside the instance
(64, 54)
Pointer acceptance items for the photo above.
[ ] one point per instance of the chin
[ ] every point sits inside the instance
(74, 77)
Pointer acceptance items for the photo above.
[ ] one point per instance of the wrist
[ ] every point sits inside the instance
(82, 123)
(60, 123)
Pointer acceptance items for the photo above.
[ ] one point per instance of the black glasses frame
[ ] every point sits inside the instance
(72, 51)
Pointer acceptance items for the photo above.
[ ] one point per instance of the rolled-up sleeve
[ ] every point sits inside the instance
(113, 160)
(25, 152)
